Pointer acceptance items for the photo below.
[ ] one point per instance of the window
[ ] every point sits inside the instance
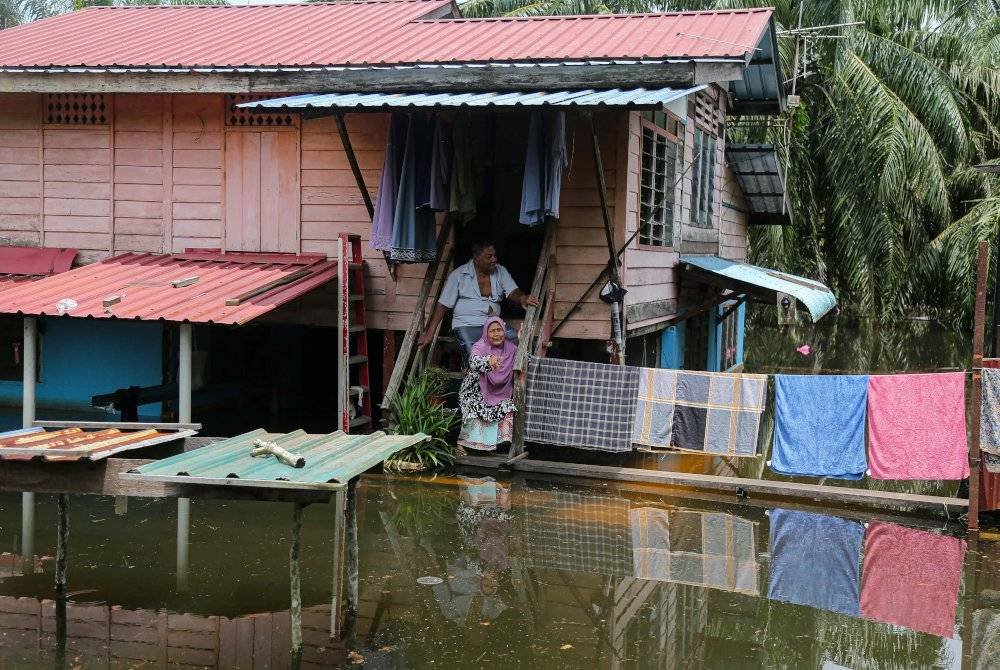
(660, 145)
(11, 347)
(703, 179)
(729, 326)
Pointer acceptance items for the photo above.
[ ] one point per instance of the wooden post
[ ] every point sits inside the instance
(295, 577)
(337, 598)
(351, 563)
(62, 540)
(388, 357)
(978, 334)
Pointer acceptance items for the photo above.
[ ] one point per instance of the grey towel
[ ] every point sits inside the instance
(718, 413)
(583, 405)
(654, 408)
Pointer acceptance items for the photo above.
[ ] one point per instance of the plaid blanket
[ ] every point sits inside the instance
(578, 404)
(718, 413)
(989, 421)
(654, 408)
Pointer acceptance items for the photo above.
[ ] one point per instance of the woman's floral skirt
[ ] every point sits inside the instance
(485, 436)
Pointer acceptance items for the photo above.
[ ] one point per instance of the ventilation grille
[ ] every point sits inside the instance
(245, 118)
(78, 109)
(708, 112)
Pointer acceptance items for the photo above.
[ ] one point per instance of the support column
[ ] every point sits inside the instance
(29, 356)
(337, 587)
(184, 355)
(295, 608)
(351, 564)
(62, 540)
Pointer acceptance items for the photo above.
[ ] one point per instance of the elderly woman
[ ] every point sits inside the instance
(485, 396)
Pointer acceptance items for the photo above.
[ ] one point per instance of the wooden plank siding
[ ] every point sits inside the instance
(735, 219)
(154, 178)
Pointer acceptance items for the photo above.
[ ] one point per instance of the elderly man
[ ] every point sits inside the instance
(474, 292)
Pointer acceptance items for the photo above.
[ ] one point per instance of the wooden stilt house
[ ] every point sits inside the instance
(246, 137)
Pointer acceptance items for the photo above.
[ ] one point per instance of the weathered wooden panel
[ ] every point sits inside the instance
(279, 192)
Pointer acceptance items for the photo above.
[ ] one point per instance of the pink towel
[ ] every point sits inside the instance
(916, 426)
(910, 578)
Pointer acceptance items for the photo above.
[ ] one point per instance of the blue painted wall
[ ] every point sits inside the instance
(672, 347)
(80, 358)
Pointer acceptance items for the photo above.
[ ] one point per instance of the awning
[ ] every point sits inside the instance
(759, 174)
(198, 287)
(759, 284)
(636, 98)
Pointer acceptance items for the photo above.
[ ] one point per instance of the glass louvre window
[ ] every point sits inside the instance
(656, 186)
(730, 339)
(703, 179)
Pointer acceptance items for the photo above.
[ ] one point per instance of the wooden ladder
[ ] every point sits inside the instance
(353, 378)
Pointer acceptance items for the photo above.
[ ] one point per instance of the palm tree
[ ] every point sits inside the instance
(894, 113)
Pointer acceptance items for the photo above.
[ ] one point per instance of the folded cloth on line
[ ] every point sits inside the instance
(916, 426)
(711, 549)
(816, 560)
(989, 419)
(911, 577)
(718, 413)
(579, 404)
(654, 407)
(819, 426)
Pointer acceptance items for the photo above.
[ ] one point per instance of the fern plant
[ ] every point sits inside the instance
(414, 411)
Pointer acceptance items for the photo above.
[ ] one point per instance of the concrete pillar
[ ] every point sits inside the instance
(183, 541)
(29, 355)
(184, 416)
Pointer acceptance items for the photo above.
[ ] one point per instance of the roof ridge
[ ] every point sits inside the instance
(284, 5)
(623, 15)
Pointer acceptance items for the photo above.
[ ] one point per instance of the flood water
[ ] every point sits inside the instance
(469, 572)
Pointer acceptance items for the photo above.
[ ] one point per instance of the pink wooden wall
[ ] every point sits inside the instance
(166, 173)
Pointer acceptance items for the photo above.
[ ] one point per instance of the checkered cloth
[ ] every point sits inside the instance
(710, 549)
(654, 408)
(718, 413)
(583, 405)
(578, 532)
(989, 421)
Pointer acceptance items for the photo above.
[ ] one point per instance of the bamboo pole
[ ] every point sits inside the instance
(978, 334)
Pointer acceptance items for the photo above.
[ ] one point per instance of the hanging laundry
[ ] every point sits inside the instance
(440, 173)
(544, 160)
(816, 560)
(463, 178)
(986, 639)
(718, 412)
(414, 229)
(580, 404)
(911, 578)
(989, 422)
(711, 549)
(388, 188)
(654, 408)
(916, 426)
(819, 428)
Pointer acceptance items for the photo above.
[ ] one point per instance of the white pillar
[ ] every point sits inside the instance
(183, 541)
(30, 358)
(183, 416)
(28, 527)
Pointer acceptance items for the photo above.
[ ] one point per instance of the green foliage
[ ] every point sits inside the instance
(414, 412)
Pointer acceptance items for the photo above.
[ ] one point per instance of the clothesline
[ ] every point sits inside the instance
(836, 371)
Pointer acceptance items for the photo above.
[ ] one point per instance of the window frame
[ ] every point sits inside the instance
(699, 178)
(677, 139)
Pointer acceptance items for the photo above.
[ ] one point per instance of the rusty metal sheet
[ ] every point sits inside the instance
(366, 33)
(198, 287)
(75, 443)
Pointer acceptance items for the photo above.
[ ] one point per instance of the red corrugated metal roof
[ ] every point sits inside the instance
(142, 284)
(364, 33)
(74, 443)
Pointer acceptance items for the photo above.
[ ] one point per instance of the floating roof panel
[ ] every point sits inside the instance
(759, 174)
(75, 443)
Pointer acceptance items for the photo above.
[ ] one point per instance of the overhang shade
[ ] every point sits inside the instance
(759, 174)
(760, 284)
(196, 287)
(638, 98)
(330, 460)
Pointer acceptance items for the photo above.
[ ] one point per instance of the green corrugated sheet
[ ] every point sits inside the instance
(331, 460)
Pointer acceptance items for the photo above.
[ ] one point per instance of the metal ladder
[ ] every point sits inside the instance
(354, 405)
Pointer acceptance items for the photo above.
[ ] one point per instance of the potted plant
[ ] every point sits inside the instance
(415, 411)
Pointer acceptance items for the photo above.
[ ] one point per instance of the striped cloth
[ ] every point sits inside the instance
(989, 421)
(579, 404)
(654, 408)
(718, 413)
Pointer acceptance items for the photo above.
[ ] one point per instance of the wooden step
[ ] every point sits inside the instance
(358, 358)
(356, 296)
(355, 266)
(354, 391)
(356, 329)
(360, 421)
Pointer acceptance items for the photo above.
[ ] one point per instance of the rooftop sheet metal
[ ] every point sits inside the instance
(741, 277)
(141, 286)
(758, 172)
(330, 460)
(636, 97)
(74, 444)
(373, 32)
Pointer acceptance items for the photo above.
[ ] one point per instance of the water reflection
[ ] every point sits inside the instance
(479, 572)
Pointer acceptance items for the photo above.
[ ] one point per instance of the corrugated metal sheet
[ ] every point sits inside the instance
(142, 284)
(331, 460)
(35, 261)
(365, 33)
(635, 97)
(758, 172)
(73, 444)
(814, 296)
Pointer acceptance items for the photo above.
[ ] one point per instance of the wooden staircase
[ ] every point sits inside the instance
(534, 338)
(354, 405)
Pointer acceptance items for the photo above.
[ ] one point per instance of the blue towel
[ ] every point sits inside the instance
(816, 560)
(819, 426)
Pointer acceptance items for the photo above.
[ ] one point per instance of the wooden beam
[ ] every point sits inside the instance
(352, 159)
(978, 335)
(121, 425)
(269, 286)
(484, 77)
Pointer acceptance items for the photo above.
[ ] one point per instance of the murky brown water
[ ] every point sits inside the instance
(471, 573)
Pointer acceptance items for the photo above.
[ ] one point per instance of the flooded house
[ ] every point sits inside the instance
(214, 170)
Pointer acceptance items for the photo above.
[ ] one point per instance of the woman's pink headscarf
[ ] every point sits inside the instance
(496, 385)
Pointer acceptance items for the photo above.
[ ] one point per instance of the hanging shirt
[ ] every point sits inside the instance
(461, 294)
